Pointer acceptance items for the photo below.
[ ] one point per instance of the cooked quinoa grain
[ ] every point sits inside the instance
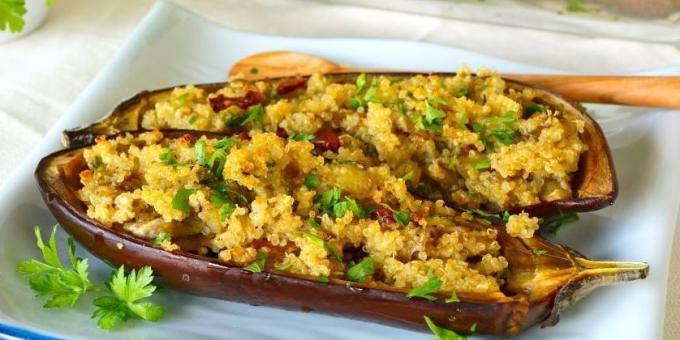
(233, 197)
(466, 139)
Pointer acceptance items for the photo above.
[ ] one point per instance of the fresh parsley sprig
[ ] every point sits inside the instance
(443, 333)
(432, 285)
(125, 302)
(64, 286)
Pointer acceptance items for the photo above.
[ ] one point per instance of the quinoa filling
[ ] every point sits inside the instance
(277, 204)
(467, 139)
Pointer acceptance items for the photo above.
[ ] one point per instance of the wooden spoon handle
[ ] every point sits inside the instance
(650, 91)
(622, 90)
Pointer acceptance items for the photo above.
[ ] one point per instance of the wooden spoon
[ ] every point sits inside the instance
(652, 91)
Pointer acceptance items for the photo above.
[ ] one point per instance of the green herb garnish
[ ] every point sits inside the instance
(473, 328)
(161, 238)
(533, 108)
(64, 286)
(124, 303)
(182, 99)
(323, 279)
(97, 163)
(462, 92)
(167, 157)
(453, 298)
(181, 200)
(221, 199)
(301, 137)
(319, 241)
(258, 265)
(482, 164)
(369, 96)
(312, 181)
(442, 333)
(434, 119)
(576, 6)
(12, 15)
(199, 150)
(313, 224)
(256, 115)
(408, 176)
(253, 70)
(432, 285)
(361, 270)
(402, 217)
(216, 162)
(539, 252)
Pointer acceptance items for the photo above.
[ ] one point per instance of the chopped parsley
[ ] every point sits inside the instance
(577, 6)
(161, 238)
(453, 298)
(167, 157)
(432, 285)
(182, 99)
(312, 181)
(442, 333)
(181, 200)
(253, 70)
(433, 120)
(553, 226)
(482, 164)
(360, 271)
(256, 115)
(408, 176)
(301, 137)
(323, 279)
(97, 163)
(258, 265)
(199, 150)
(216, 162)
(225, 144)
(473, 328)
(319, 241)
(402, 217)
(370, 95)
(533, 108)
(331, 203)
(221, 199)
(313, 224)
(462, 92)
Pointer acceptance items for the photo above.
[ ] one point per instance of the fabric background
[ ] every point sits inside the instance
(43, 73)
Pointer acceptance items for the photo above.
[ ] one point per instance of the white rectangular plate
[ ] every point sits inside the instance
(172, 46)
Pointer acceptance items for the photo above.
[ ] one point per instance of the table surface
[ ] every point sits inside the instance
(42, 73)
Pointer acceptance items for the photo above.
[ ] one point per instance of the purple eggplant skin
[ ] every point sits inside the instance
(537, 288)
(594, 184)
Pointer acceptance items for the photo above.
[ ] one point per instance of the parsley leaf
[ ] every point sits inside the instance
(329, 249)
(124, 303)
(256, 115)
(462, 92)
(221, 199)
(329, 199)
(533, 108)
(408, 176)
(181, 200)
(442, 333)
(369, 96)
(312, 181)
(323, 279)
(453, 298)
(216, 162)
(12, 15)
(199, 150)
(301, 137)
(432, 285)
(433, 120)
(313, 224)
(482, 164)
(225, 144)
(161, 238)
(167, 157)
(576, 6)
(402, 217)
(258, 265)
(361, 270)
(63, 285)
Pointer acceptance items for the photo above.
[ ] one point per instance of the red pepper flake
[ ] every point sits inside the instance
(281, 133)
(288, 85)
(327, 140)
(250, 98)
(384, 216)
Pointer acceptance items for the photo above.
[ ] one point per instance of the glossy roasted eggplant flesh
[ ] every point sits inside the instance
(475, 141)
(265, 219)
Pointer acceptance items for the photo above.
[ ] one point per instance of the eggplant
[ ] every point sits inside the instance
(594, 185)
(537, 287)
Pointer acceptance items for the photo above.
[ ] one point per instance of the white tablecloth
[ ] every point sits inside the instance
(41, 74)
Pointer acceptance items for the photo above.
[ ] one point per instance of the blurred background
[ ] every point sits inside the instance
(51, 49)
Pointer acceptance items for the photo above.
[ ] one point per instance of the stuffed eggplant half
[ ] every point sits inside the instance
(265, 219)
(475, 141)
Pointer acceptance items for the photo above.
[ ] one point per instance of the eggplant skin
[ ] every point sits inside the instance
(594, 185)
(538, 287)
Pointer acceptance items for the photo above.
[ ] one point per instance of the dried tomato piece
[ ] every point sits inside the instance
(243, 135)
(384, 216)
(257, 244)
(288, 85)
(250, 98)
(281, 133)
(327, 140)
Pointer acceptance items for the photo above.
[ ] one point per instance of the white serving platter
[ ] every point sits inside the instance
(173, 46)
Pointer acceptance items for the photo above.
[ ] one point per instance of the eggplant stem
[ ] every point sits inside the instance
(593, 274)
